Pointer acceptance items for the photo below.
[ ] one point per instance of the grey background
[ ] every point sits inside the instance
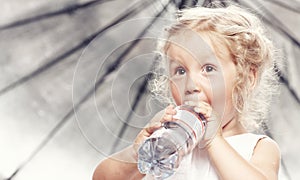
(54, 123)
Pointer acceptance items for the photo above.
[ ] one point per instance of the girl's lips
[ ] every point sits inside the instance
(195, 97)
(189, 102)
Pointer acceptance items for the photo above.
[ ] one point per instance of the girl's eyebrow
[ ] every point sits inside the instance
(175, 59)
(174, 62)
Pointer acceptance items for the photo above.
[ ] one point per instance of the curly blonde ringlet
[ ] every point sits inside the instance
(242, 34)
(158, 81)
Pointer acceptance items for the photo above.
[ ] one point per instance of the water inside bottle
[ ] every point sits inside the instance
(159, 157)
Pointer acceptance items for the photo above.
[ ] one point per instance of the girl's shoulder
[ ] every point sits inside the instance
(246, 138)
(249, 144)
(266, 154)
(266, 147)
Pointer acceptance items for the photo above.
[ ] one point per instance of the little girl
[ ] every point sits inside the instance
(220, 62)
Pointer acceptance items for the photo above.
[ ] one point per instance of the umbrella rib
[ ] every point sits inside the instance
(70, 113)
(131, 12)
(142, 87)
(280, 27)
(68, 10)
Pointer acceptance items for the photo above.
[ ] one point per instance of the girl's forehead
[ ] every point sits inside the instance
(199, 46)
(190, 45)
(190, 40)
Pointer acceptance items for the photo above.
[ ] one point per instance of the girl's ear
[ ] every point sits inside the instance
(252, 78)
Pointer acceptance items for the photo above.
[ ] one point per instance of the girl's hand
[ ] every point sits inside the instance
(213, 125)
(155, 124)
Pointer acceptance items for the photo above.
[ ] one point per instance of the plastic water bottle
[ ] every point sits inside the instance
(161, 154)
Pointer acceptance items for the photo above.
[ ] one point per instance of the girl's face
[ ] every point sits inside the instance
(198, 74)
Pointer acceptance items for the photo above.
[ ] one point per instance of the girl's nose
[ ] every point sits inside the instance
(192, 85)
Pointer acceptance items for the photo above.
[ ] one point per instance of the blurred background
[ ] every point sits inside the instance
(73, 84)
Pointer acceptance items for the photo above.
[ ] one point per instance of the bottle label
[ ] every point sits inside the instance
(191, 120)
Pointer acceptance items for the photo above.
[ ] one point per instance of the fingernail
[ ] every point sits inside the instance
(157, 124)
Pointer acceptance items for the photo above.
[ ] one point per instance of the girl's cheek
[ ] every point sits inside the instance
(176, 93)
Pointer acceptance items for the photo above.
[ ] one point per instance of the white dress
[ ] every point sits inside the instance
(196, 165)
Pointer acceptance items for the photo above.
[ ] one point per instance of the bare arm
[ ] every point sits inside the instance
(263, 165)
(121, 165)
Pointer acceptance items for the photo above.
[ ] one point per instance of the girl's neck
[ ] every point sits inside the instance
(233, 127)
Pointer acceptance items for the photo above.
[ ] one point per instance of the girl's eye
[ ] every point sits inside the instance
(208, 68)
(179, 71)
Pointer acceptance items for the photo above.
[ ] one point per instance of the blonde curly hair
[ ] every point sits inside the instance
(244, 36)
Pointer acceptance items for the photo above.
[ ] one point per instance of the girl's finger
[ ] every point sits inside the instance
(149, 129)
(201, 107)
(145, 133)
(170, 110)
(206, 112)
(167, 117)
